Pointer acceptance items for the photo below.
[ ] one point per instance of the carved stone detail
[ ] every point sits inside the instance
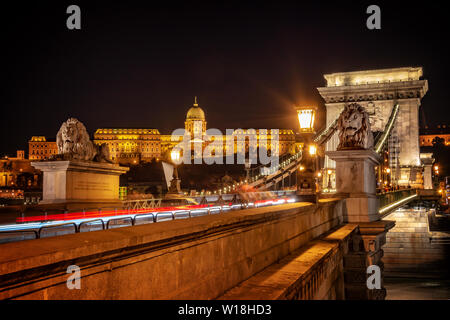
(365, 250)
(354, 128)
(74, 144)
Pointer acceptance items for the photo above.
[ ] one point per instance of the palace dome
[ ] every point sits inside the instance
(195, 112)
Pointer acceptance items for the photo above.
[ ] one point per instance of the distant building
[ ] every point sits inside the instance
(20, 154)
(427, 135)
(132, 146)
(17, 172)
(40, 148)
(136, 145)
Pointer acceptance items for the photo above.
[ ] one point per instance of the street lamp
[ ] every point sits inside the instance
(248, 165)
(329, 180)
(175, 156)
(306, 116)
(312, 150)
(175, 183)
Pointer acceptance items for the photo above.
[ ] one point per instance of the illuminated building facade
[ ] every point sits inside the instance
(195, 122)
(40, 148)
(428, 134)
(131, 146)
(17, 172)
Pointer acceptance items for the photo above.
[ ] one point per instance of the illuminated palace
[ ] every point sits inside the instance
(39, 148)
(132, 146)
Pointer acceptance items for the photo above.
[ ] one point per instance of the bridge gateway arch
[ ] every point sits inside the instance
(378, 91)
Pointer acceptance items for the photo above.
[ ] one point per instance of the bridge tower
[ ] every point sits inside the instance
(378, 91)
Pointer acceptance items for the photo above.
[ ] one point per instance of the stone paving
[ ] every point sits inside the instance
(417, 289)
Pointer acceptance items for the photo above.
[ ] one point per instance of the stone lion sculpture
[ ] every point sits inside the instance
(73, 143)
(354, 128)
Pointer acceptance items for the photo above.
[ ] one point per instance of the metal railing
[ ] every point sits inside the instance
(325, 135)
(142, 203)
(87, 223)
(19, 235)
(394, 199)
(127, 219)
(57, 230)
(267, 175)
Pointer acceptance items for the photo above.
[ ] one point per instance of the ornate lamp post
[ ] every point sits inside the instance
(436, 175)
(176, 181)
(248, 164)
(313, 153)
(329, 179)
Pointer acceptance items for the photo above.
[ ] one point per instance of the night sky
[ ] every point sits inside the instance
(140, 64)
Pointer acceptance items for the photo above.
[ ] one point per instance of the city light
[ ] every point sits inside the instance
(386, 208)
(175, 156)
(312, 149)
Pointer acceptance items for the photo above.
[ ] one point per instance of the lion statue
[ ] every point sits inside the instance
(73, 143)
(354, 128)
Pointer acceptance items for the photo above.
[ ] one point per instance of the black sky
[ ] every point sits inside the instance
(139, 64)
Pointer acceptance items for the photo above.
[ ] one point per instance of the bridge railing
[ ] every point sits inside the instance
(267, 174)
(392, 197)
(382, 140)
(323, 136)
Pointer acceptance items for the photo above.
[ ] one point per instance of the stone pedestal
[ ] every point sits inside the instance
(80, 181)
(427, 162)
(364, 251)
(355, 178)
(175, 186)
(428, 176)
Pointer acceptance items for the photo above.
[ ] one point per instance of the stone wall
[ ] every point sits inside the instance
(409, 249)
(314, 271)
(197, 258)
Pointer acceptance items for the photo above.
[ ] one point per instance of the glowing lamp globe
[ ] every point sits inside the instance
(306, 117)
(312, 150)
(175, 155)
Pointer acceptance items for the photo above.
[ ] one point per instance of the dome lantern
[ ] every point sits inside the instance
(195, 112)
